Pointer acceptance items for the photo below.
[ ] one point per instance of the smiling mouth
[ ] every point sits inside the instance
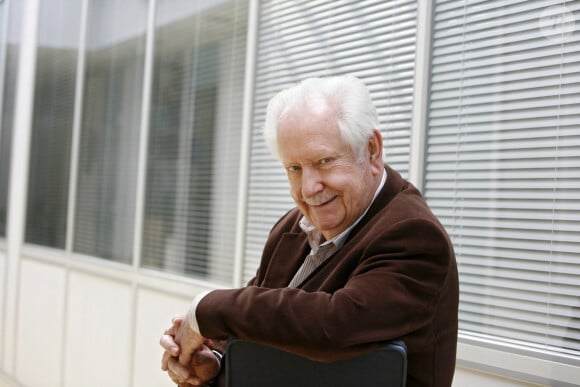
(321, 204)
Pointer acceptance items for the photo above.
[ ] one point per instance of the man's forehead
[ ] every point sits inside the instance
(318, 105)
(310, 112)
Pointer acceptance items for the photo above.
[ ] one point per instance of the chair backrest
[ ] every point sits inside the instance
(254, 365)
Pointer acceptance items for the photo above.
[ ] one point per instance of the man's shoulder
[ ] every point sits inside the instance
(289, 222)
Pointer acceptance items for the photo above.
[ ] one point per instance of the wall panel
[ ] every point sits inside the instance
(40, 319)
(98, 332)
(154, 311)
(2, 302)
(472, 378)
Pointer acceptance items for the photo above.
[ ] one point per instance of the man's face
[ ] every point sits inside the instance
(329, 185)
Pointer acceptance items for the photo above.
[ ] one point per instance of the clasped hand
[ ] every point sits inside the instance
(188, 357)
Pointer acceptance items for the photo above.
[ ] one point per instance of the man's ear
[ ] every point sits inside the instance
(375, 148)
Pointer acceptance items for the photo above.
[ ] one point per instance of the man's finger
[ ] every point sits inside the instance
(195, 381)
(165, 361)
(188, 341)
(180, 373)
(175, 323)
(180, 384)
(168, 343)
(173, 378)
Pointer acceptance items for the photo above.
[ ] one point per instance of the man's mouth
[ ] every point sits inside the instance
(319, 202)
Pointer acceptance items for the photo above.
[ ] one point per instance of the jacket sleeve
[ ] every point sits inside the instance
(391, 291)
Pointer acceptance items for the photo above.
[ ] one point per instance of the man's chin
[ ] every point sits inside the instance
(326, 228)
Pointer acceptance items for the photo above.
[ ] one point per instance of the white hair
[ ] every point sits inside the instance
(356, 114)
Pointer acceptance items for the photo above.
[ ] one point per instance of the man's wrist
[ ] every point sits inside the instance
(219, 357)
(190, 317)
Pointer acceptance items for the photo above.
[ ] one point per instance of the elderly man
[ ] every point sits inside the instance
(361, 260)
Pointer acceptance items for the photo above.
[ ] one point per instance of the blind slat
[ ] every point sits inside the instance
(503, 165)
(194, 137)
(374, 40)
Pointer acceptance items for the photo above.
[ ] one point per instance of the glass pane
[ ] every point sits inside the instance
(194, 139)
(9, 47)
(374, 40)
(503, 168)
(56, 64)
(105, 203)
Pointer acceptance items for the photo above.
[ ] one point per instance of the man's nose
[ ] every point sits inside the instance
(311, 182)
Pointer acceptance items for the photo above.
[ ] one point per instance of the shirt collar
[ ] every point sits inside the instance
(315, 237)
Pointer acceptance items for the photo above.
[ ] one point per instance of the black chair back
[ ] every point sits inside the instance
(255, 365)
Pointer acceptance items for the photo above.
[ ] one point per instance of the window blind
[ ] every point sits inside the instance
(194, 138)
(109, 139)
(374, 40)
(54, 100)
(503, 165)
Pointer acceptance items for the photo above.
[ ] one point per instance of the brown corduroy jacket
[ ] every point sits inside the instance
(395, 278)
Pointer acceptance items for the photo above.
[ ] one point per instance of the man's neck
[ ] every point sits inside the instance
(315, 237)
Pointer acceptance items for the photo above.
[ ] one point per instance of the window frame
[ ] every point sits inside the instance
(481, 352)
(68, 251)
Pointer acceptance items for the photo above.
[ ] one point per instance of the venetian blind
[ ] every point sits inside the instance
(194, 138)
(503, 165)
(52, 124)
(374, 40)
(109, 138)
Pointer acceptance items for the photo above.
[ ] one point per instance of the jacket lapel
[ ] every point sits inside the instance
(285, 261)
(393, 186)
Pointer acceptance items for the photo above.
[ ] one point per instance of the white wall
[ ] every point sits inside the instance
(39, 336)
(88, 322)
(2, 303)
(82, 323)
(465, 377)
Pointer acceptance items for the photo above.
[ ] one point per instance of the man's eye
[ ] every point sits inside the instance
(326, 160)
(293, 168)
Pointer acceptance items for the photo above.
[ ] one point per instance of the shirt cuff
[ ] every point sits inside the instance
(190, 316)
